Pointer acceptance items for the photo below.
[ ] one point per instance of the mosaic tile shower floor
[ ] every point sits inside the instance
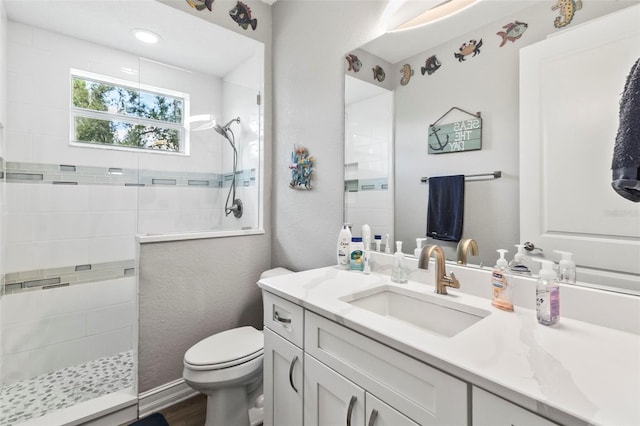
(63, 388)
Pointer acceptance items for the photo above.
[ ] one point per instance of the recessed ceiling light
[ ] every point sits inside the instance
(146, 36)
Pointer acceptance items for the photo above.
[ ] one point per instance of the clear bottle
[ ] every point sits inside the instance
(419, 243)
(518, 264)
(547, 294)
(399, 273)
(566, 268)
(366, 236)
(344, 239)
(356, 254)
(502, 294)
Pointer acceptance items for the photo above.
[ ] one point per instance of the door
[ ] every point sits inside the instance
(381, 414)
(330, 399)
(283, 384)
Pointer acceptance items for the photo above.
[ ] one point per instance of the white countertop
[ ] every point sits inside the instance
(589, 372)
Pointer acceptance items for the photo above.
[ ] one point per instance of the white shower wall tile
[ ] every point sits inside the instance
(15, 367)
(110, 249)
(21, 146)
(112, 224)
(63, 226)
(19, 228)
(108, 198)
(110, 318)
(30, 335)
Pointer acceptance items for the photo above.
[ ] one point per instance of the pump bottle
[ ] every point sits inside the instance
(399, 273)
(566, 268)
(518, 264)
(502, 297)
(547, 294)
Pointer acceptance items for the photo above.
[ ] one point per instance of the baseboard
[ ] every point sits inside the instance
(164, 396)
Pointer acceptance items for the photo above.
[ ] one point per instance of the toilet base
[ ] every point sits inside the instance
(228, 407)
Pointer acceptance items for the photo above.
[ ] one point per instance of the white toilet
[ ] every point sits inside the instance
(227, 367)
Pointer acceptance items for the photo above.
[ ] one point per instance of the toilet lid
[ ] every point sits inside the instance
(236, 344)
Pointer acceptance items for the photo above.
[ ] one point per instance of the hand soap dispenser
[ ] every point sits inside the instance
(399, 273)
(566, 268)
(547, 294)
(502, 297)
(518, 265)
(419, 243)
(344, 239)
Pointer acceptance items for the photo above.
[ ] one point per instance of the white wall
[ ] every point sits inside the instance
(311, 39)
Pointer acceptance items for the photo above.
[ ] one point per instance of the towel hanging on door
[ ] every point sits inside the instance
(445, 208)
(626, 152)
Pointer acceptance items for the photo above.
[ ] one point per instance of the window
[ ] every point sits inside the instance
(110, 112)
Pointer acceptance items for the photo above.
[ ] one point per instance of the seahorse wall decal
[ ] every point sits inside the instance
(567, 8)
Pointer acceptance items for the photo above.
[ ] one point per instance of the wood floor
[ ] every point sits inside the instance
(191, 412)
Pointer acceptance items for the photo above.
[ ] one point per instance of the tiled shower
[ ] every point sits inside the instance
(71, 216)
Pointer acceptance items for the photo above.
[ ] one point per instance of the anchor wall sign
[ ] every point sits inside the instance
(457, 136)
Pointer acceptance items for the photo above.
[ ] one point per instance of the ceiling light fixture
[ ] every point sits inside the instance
(146, 36)
(443, 10)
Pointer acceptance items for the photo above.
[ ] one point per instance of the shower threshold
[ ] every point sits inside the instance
(45, 395)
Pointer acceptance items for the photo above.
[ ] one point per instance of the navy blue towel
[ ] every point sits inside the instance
(445, 208)
(155, 419)
(626, 153)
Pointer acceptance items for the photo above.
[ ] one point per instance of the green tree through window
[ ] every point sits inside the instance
(110, 114)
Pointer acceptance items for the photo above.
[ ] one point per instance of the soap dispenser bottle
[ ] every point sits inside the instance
(419, 243)
(502, 295)
(399, 273)
(566, 268)
(547, 294)
(366, 236)
(518, 264)
(344, 239)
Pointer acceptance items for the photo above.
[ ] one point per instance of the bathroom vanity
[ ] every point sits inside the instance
(355, 349)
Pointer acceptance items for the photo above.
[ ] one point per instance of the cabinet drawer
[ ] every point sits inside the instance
(424, 394)
(284, 318)
(490, 410)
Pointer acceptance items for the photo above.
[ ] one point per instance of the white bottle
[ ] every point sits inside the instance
(547, 294)
(502, 295)
(356, 254)
(399, 273)
(566, 268)
(366, 236)
(419, 243)
(387, 247)
(344, 239)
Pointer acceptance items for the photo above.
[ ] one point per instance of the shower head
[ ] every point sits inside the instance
(223, 129)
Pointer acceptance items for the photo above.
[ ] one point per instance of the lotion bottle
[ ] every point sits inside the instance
(547, 294)
(502, 295)
(566, 268)
(399, 273)
(344, 239)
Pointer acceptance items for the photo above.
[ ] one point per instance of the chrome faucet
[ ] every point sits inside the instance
(442, 280)
(464, 247)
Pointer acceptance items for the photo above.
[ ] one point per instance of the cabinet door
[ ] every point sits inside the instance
(381, 414)
(490, 410)
(329, 398)
(283, 370)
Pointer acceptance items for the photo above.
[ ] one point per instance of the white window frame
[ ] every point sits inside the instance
(103, 115)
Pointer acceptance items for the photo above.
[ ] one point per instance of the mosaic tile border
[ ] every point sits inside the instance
(63, 388)
(69, 174)
(373, 184)
(43, 279)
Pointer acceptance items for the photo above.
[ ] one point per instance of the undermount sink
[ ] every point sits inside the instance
(433, 313)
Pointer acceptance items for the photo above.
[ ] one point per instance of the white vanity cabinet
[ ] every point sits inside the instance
(283, 362)
(331, 399)
(490, 410)
(421, 393)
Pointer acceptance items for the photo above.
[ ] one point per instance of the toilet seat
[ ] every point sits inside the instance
(229, 348)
